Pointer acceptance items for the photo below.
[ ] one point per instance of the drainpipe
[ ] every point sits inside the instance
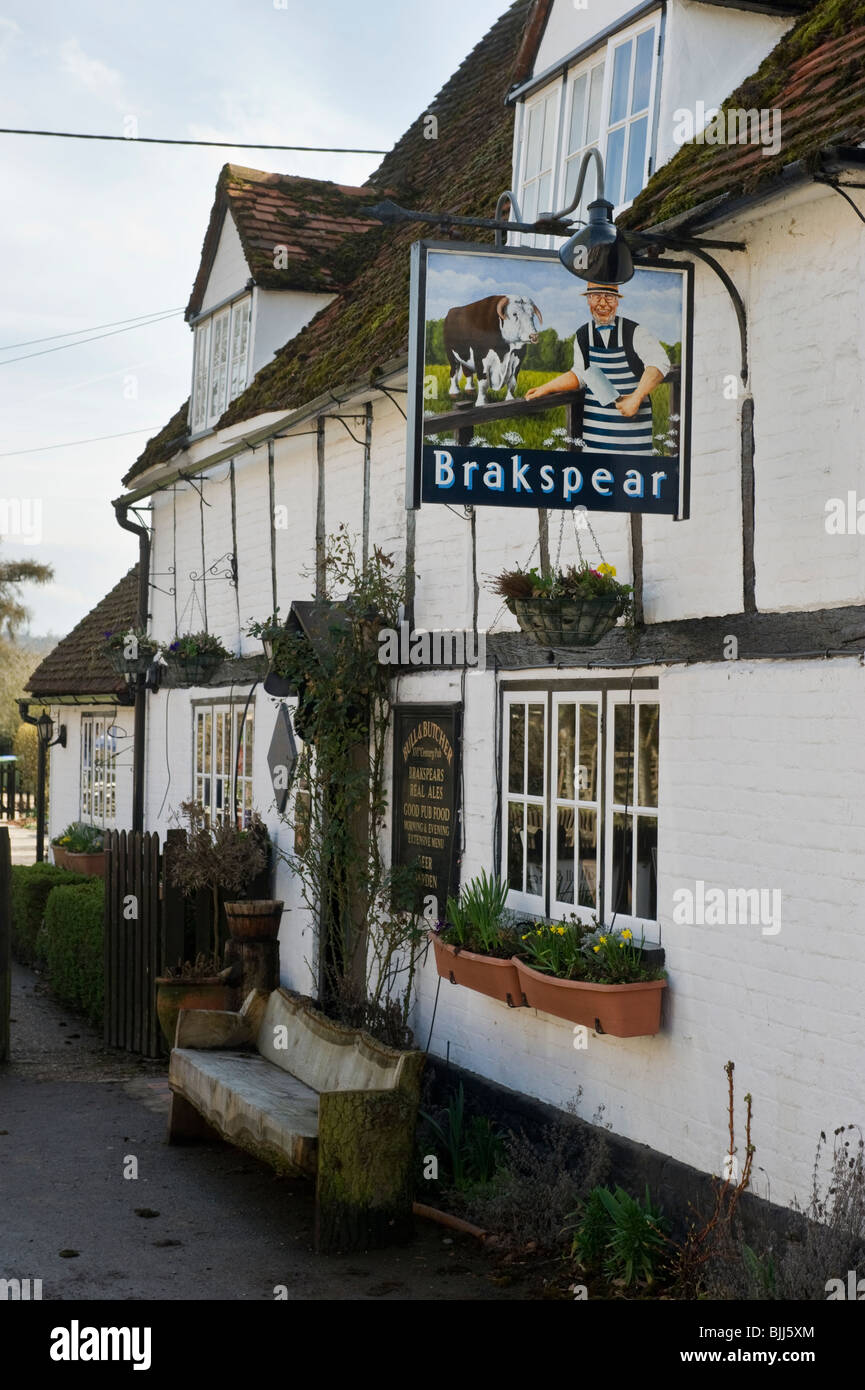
(121, 510)
(27, 718)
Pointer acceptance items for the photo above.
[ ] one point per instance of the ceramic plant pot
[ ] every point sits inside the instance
(59, 856)
(174, 995)
(488, 975)
(92, 863)
(626, 1011)
(256, 920)
(567, 622)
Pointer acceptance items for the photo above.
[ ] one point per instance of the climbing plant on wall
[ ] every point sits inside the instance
(367, 944)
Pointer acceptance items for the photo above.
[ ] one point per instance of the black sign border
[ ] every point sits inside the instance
(417, 353)
(432, 711)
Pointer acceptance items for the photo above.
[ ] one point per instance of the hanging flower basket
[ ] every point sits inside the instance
(118, 643)
(567, 622)
(574, 607)
(194, 657)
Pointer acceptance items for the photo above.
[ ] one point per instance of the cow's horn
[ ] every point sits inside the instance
(501, 306)
(538, 312)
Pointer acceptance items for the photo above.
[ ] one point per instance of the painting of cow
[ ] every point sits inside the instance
(488, 340)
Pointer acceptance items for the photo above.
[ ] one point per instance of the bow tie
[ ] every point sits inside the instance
(605, 327)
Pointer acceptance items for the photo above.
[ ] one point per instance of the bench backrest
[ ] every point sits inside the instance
(322, 1054)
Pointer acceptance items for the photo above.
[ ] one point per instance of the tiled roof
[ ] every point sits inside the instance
(77, 665)
(463, 170)
(815, 77)
(316, 222)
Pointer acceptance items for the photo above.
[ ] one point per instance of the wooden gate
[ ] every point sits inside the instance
(5, 941)
(133, 953)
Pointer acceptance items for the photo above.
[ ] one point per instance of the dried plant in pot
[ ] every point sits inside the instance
(198, 984)
(225, 859)
(573, 607)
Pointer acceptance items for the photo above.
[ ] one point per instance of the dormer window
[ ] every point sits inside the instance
(606, 99)
(221, 362)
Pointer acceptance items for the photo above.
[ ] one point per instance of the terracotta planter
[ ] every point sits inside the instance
(626, 1011)
(174, 995)
(92, 864)
(567, 622)
(256, 920)
(488, 975)
(59, 856)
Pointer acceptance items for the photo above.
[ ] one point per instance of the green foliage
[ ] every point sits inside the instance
(624, 1236)
(478, 919)
(25, 748)
(80, 838)
(13, 612)
(31, 884)
(574, 582)
(190, 645)
(471, 1149)
(370, 938)
(74, 945)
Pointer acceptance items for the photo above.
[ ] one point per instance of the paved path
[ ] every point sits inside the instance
(199, 1222)
(22, 841)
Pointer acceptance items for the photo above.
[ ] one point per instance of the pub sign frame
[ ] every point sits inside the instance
(566, 478)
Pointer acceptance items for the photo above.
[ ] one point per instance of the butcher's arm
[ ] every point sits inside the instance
(568, 381)
(630, 404)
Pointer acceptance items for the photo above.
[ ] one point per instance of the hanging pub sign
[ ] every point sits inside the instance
(531, 388)
(425, 798)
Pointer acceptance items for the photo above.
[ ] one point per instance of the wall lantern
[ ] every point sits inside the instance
(45, 730)
(598, 251)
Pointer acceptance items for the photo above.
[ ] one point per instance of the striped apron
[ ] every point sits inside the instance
(603, 427)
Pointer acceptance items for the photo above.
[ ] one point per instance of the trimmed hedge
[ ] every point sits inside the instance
(73, 945)
(31, 884)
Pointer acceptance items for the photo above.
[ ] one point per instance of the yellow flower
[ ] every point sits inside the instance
(561, 931)
(627, 934)
(603, 940)
(538, 932)
(524, 938)
(596, 948)
(621, 945)
(607, 569)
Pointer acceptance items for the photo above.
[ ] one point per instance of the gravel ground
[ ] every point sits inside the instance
(199, 1222)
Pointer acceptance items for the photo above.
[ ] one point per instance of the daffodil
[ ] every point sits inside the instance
(596, 948)
(603, 940)
(627, 934)
(607, 569)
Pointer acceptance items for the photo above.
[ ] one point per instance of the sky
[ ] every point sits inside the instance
(95, 233)
(654, 297)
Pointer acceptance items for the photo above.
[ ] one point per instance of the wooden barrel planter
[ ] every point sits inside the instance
(626, 1011)
(490, 975)
(567, 622)
(255, 920)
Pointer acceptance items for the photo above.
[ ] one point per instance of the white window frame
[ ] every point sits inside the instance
(566, 156)
(617, 698)
(577, 698)
(213, 785)
(562, 88)
(216, 384)
(521, 900)
(554, 94)
(97, 787)
(605, 701)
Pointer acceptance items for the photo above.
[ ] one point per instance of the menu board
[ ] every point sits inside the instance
(426, 798)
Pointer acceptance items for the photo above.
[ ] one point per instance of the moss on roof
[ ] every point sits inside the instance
(815, 77)
(78, 665)
(164, 444)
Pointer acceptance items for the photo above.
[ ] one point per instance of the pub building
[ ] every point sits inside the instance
(709, 756)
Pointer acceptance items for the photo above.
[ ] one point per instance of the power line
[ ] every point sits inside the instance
(61, 347)
(94, 328)
(215, 144)
(72, 443)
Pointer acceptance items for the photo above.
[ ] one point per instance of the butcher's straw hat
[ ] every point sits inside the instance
(603, 289)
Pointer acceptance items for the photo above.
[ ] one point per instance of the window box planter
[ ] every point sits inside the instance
(567, 622)
(490, 975)
(626, 1011)
(257, 919)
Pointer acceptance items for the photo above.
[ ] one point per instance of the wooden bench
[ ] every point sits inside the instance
(307, 1096)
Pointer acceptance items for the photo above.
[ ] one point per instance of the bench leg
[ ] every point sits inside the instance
(365, 1170)
(185, 1125)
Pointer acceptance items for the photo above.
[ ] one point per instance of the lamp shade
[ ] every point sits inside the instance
(45, 726)
(598, 251)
